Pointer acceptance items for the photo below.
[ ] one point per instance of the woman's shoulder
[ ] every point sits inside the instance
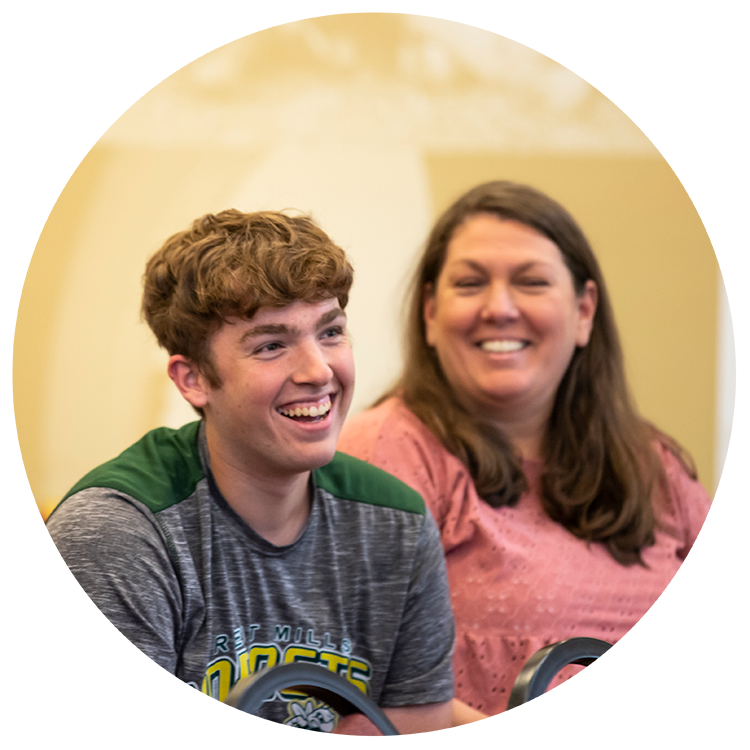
(391, 420)
(682, 499)
(679, 482)
(672, 456)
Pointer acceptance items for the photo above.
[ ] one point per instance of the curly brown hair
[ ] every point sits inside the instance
(600, 466)
(229, 265)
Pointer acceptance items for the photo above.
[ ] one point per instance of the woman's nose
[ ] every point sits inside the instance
(500, 303)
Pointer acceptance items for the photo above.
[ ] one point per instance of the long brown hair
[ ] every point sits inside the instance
(600, 466)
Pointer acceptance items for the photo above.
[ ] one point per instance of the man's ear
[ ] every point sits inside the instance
(186, 375)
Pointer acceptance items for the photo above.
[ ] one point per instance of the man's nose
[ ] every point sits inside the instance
(311, 365)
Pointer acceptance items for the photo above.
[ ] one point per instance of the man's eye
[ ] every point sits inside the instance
(332, 332)
(268, 348)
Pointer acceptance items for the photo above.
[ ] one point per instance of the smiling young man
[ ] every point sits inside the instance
(243, 540)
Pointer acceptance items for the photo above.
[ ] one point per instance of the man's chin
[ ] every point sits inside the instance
(316, 459)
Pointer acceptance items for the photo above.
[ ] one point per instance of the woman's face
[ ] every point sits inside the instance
(504, 318)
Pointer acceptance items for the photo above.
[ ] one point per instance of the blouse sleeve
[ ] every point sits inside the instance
(708, 553)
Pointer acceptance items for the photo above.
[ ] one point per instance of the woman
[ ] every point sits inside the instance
(562, 512)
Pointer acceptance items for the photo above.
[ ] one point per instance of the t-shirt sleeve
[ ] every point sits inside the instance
(710, 556)
(119, 556)
(421, 669)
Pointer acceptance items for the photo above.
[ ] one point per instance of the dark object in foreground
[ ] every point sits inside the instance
(245, 698)
(642, 710)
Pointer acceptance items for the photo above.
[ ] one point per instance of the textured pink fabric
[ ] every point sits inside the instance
(636, 713)
(518, 580)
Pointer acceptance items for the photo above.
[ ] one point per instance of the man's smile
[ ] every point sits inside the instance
(309, 411)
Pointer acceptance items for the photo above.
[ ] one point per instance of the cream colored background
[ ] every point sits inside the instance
(373, 123)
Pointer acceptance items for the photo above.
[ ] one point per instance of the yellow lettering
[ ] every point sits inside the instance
(261, 657)
(221, 675)
(244, 660)
(297, 653)
(218, 679)
(335, 662)
(358, 669)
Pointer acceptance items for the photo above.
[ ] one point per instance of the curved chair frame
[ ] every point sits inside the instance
(249, 693)
(33, 720)
(531, 684)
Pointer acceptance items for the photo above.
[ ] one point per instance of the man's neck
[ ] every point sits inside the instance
(276, 508)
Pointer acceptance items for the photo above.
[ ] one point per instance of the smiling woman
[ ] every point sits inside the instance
(582, 407)
(562, 512)
(504, 319)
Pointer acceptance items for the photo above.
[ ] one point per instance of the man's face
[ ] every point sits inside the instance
(287, 381)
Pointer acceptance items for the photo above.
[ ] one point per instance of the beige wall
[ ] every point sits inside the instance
(372, 124)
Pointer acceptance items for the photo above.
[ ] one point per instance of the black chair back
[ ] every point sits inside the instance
(249, 693)
(529, 689)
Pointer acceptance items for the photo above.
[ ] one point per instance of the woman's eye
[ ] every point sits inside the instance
(534, 281)
(469, 283)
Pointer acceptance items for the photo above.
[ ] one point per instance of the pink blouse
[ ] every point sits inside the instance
(519, 580)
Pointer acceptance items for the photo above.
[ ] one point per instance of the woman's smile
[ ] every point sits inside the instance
(504, 317)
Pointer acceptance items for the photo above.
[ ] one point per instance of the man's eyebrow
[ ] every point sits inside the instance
(326, 318)
(265, 329)
(281, 329)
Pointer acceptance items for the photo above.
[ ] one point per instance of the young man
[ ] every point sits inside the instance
(243, 540)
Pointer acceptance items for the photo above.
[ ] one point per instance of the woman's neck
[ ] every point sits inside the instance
(528, 446)
(526, 434)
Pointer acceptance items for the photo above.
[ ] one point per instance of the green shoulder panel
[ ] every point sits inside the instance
(349, 478)
(160, 470)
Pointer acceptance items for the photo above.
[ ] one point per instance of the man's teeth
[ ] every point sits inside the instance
(304, 411)
(503, 346)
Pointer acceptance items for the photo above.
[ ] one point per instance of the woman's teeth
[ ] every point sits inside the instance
(503, 346)
(305, 411)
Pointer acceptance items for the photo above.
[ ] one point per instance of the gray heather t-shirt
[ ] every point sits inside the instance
(363, 591)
